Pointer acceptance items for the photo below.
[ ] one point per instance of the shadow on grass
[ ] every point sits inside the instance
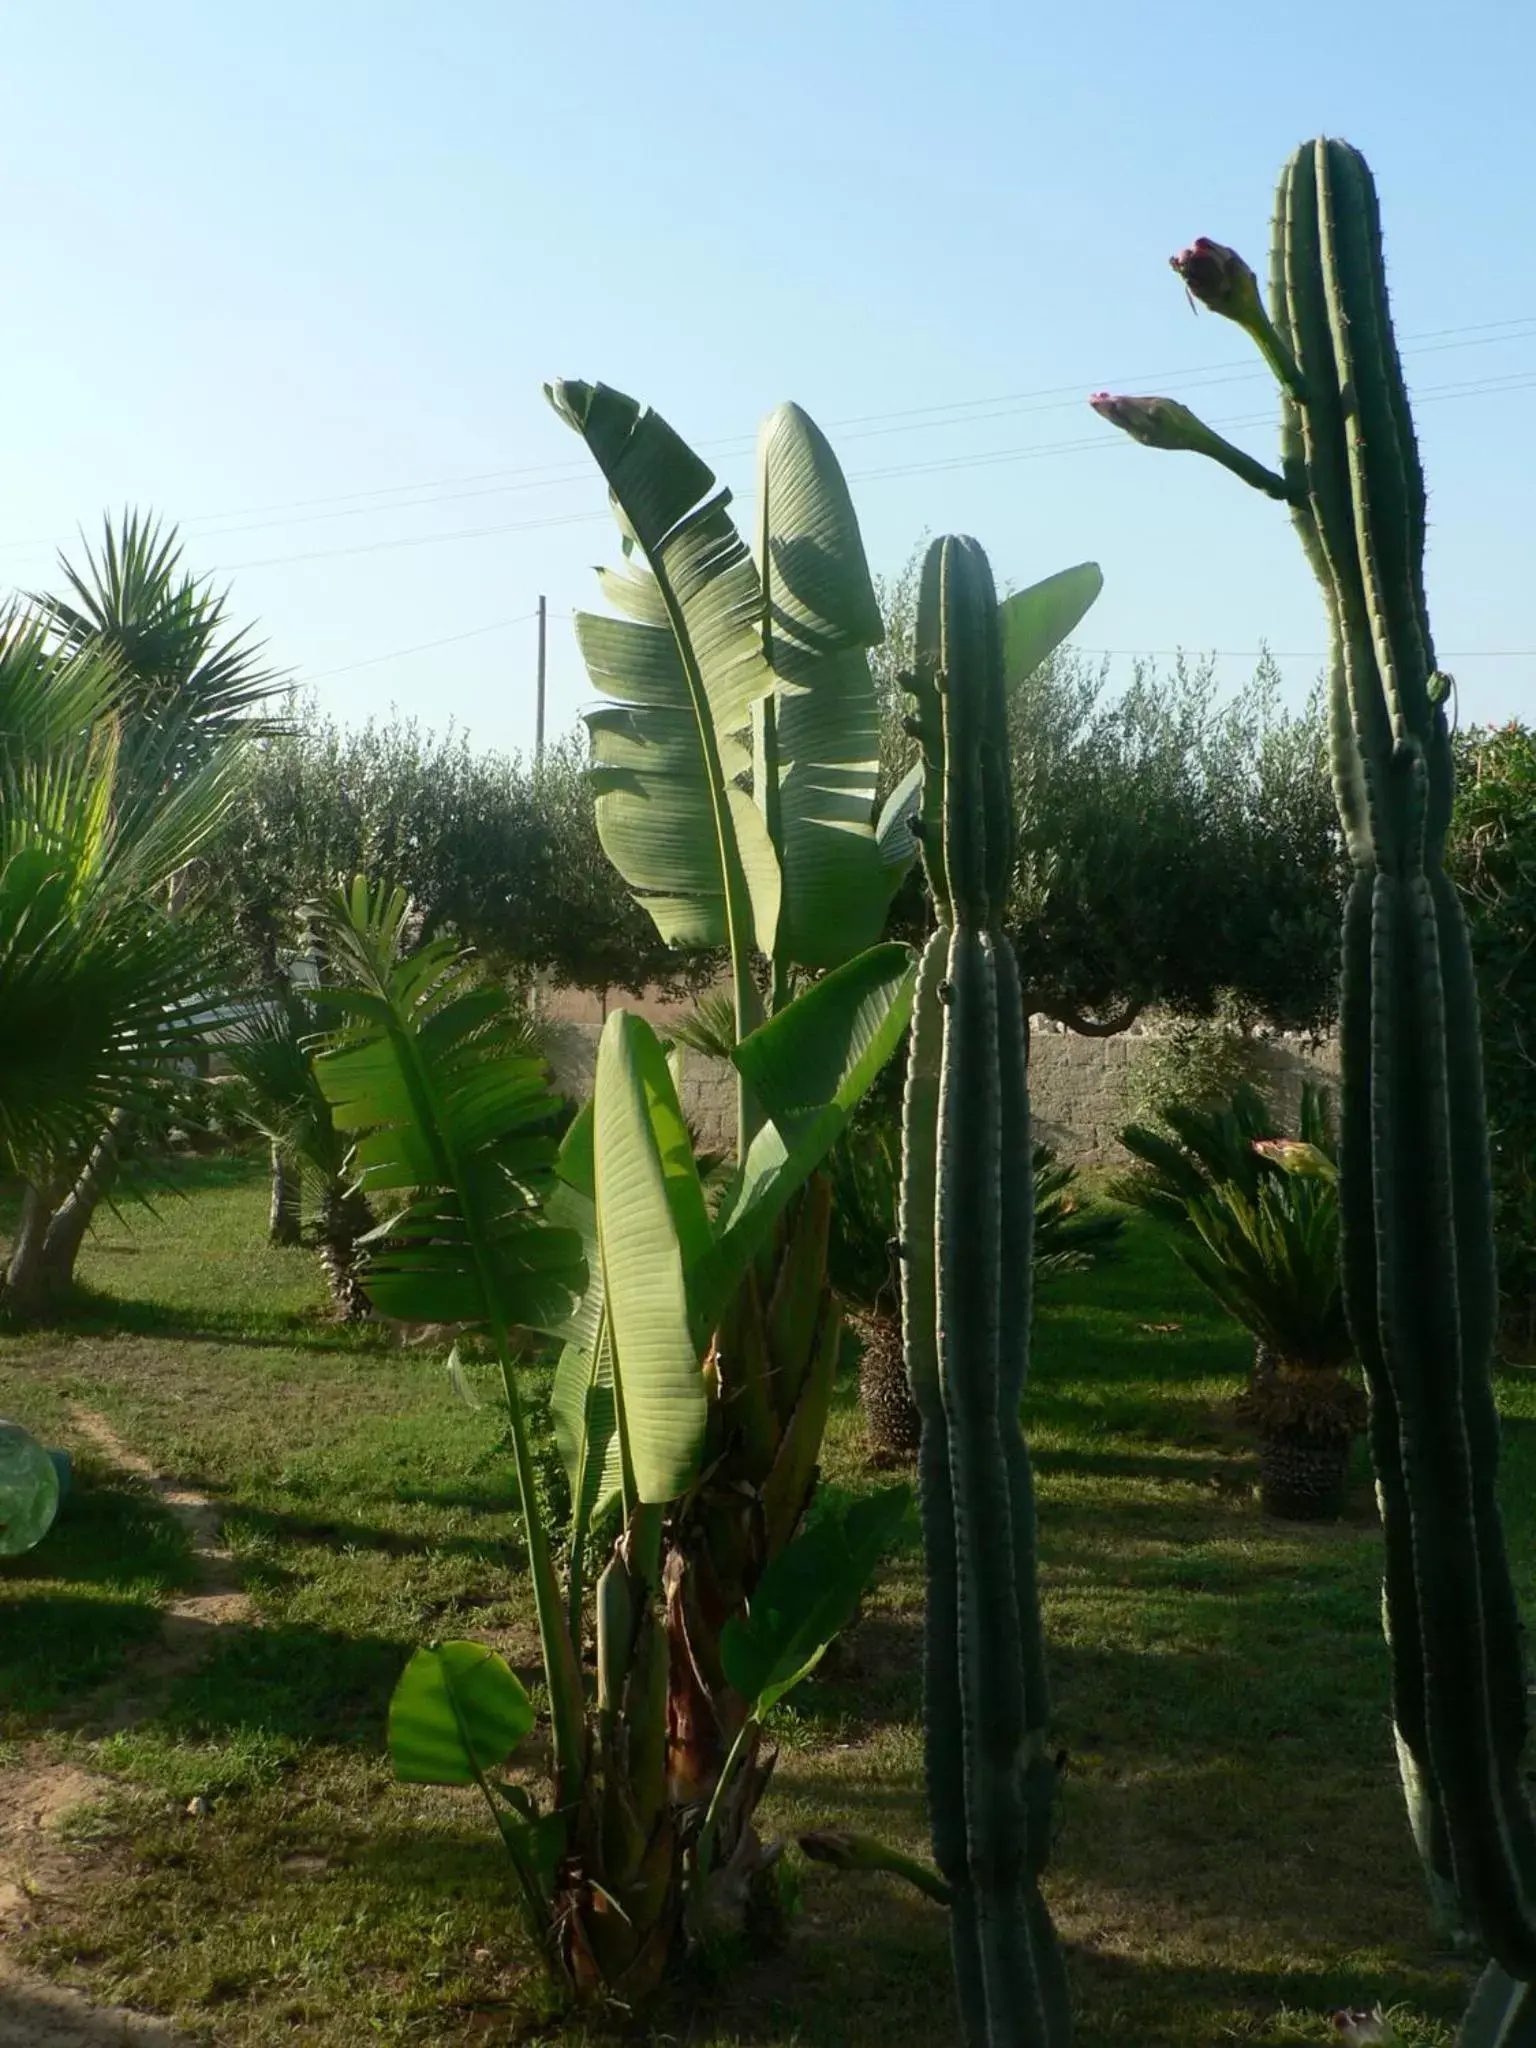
(60, 1647)
(306, 1685)
(91, 1313)
(334, 1533)
(109, 1532)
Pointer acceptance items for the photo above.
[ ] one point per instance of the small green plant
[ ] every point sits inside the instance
(1201, 1061)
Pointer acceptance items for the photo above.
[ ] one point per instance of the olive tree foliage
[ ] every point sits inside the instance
(499, 850)
(1492, 859)
(1176, 848)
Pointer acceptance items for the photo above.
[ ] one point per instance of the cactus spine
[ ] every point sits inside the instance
(1418, 1236)
(966, 1226)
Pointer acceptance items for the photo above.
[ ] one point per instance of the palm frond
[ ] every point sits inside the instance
(451, 1115)
(1272, 1262)
(167, 629)
(1069, 1236)
(709, 1027)
(268, 1048)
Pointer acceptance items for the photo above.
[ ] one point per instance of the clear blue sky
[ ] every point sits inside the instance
(293, 274)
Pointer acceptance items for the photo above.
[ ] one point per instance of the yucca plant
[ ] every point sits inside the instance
(184, 690)
(100, 986)
(607, 1243)
(735, 769)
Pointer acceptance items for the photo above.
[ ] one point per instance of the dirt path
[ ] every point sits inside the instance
(37, 1795)
(217, 1600)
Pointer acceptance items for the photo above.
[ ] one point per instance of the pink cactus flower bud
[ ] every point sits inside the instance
(1155, 422)
(1219, 278)
(1164, 423)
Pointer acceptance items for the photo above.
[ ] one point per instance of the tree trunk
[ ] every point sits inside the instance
(72, 1219)
(25, 1282)
(284, 1216)
(344, 1216)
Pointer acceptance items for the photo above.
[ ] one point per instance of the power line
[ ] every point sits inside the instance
(859, 426)
(421, 647)
(1087, 444)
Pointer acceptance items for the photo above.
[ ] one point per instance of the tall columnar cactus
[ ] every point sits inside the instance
(966, 1227)
(1418, 1241)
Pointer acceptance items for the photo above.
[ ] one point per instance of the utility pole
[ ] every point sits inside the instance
(538, 729)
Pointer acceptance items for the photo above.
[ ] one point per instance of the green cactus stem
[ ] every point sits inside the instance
(1418, 1240)
(966, 1229)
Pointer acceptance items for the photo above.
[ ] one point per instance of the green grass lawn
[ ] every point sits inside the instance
(1232, 1858)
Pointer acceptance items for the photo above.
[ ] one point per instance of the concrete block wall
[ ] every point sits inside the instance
(1077, 1085)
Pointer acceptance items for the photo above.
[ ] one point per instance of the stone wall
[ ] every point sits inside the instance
(1077, 1085)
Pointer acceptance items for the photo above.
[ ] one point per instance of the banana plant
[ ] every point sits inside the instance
(430, 1073)
(734, 774)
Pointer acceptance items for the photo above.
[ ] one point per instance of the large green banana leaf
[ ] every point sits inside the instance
(683, 668)
(1035, 621)
(651, 1224)
(719, 669)
(817, 739)
(431, 1069)
(814, 1063)
(582, 1405)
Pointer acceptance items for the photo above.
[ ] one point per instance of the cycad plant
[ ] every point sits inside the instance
(734, 768)
(865, 1171)
(1257, 1220)
(1271, 1259)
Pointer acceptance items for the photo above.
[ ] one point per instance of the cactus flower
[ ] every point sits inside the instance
(1292, 1155)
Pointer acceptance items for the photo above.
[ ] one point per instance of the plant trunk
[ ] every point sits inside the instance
(344, 1216)
(771, 1368)
(892, 1424)
(284, 1214)
(1302, 1473)
(25, 1284)
(66, 1231)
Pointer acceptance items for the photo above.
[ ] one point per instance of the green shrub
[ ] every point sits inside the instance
(1492, 857)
